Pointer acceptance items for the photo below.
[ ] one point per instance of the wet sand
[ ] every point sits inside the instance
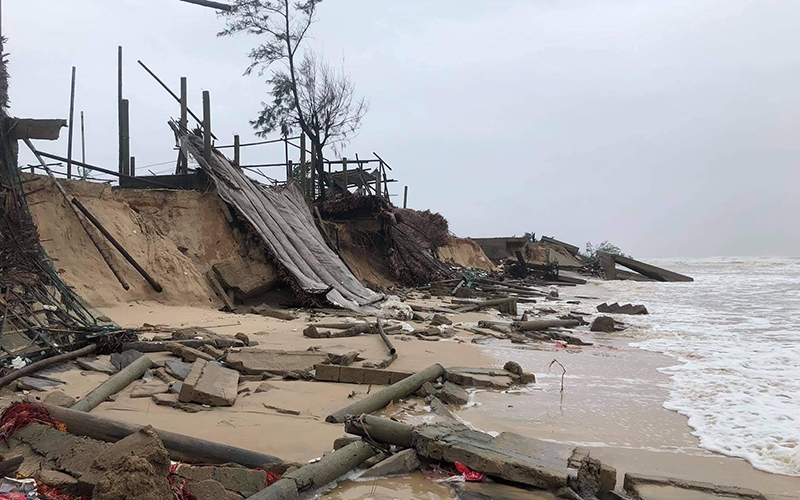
(611, 403)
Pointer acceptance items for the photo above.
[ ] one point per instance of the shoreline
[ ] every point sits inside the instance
(612, 401)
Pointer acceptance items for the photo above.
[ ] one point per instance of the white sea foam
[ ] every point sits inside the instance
(736, 333)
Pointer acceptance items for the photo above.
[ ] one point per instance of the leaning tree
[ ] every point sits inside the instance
(306, 92)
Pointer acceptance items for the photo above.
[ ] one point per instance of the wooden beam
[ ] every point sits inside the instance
(71, 131)
(210, 4)
(207, 126)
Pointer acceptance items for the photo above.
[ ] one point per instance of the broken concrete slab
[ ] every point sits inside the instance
(252, 361)
(171, 400)
(177, 369)
(440, 319)
(509, 456)
(615, 308)
(356, 375)
(188, 354)
(210, 490)
(646, 487)
(480, 377)
(135, 479)
(644, 269)
(453, 394)
(122, 359)
(144, 444)
(244, 481)
(213, 351)
(399, 464)
(264, 387)
(246, 278)
(55, 479)
(498, 491)
(59, 398)
(96, 365)
(37, 384)
(210, 384)
(148, 389)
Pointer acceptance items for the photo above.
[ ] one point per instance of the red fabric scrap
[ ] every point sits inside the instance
(19, 415)
(469, 475)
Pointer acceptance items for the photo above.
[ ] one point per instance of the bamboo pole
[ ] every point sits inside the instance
(113, 385)
(71, 129)
(81, 219)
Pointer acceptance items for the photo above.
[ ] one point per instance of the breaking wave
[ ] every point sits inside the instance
(736, 333)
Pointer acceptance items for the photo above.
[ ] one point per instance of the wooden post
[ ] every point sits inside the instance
(183, 162)
(405, 197)
(126, 137)
(237, 154)
(303, 167)
(133, 166)
(207, 126)
(286, 152)
(289, 173)
(83, 144)
(344, 170)
(71, 125)
(119, 110)
(313, 190)
(385, 185)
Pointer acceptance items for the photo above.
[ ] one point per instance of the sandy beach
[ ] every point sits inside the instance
(611, 401)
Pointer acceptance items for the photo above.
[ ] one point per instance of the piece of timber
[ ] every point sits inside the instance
(380, 399)
(648, 270)
(153, 283)
(114, 384)
(543, 324)
(40, 365)
(180, 447)
(380, 430)
(316, 475)
(382, 333)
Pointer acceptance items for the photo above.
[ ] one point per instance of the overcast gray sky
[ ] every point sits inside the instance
(668, 127)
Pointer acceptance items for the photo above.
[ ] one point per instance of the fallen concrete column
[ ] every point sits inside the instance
(644, 269)
(316, 475)
(181, 447)
(543, 324)
(394, 392)
(381, 430)
(114, 384)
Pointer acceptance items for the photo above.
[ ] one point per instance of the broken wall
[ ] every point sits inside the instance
(465, 252)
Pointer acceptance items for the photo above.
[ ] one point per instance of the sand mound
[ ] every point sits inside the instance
(177, 236)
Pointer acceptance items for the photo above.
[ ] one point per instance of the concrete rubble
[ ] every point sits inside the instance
(210, 384)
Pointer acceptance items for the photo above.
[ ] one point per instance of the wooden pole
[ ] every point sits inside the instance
(405, 197)
(207, 126)
(71, 131)
(81, 219)
(237, 151)
(313, 189)
(83, 144)
(119, 109)
(183, 167)
(344, 172)
(289, 170)
(126, 137)
(303, 167)
(40, 365)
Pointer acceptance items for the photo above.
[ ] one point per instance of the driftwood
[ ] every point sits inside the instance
(114, 384)
(180, 447)
(316, 475)
(40, 365)
(394, 392)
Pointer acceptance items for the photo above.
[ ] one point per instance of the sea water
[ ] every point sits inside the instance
(735, 335)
